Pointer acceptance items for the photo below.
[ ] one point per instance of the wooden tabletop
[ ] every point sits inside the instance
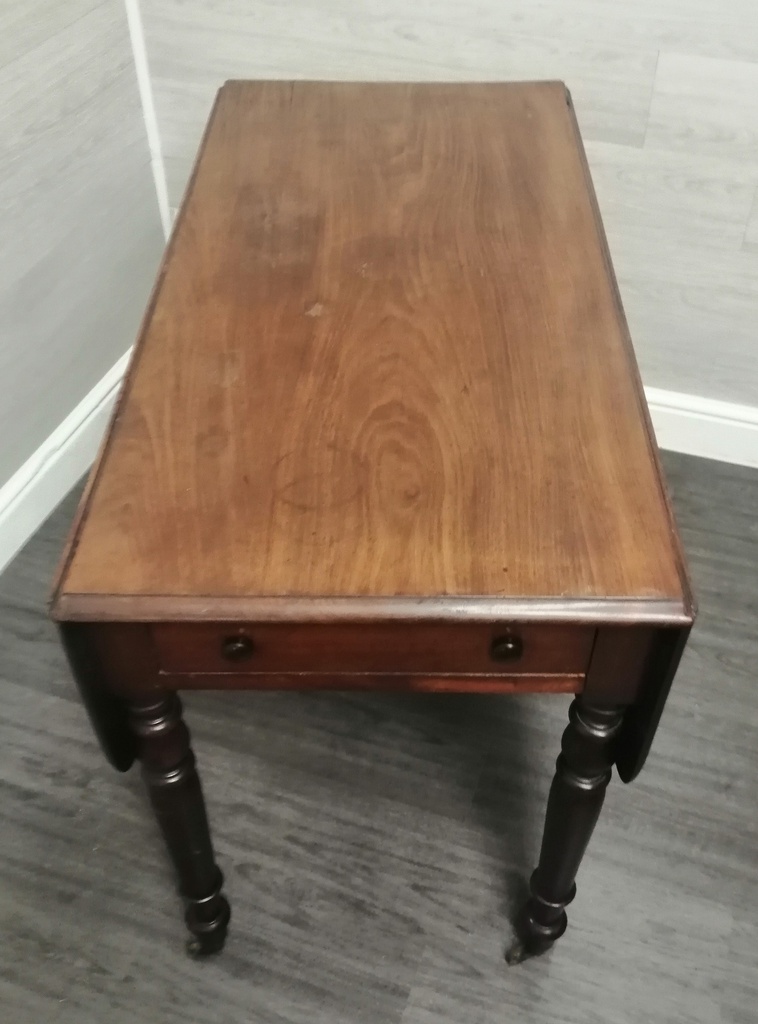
(385, 366)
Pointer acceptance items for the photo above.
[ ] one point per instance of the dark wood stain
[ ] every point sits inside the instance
(397, 682)
(374, 845)
(384, 408)
(409, 648)
(358, 377)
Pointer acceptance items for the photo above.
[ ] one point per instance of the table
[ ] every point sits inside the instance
(383, 429)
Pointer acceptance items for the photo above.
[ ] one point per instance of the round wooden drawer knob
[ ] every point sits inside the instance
(506, 648)
(235, 648)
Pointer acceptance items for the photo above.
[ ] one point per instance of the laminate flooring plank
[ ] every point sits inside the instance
(374, 845)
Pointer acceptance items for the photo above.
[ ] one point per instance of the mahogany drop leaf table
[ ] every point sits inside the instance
(383, 429)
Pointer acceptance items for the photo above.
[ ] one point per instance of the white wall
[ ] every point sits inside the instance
(666, 92)
(667, 96)
(80, 235)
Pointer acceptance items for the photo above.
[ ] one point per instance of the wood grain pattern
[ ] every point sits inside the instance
(385, 360)
(80, 235)
(372, 647)
(694, 329)
(609, 611)
(312, 682)
(360, 375)
(374, 844)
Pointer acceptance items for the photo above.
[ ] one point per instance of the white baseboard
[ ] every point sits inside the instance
(683, 423)
(35, 490)
(145, 86)
(705, 427)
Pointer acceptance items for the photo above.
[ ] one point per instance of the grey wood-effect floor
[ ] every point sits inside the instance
(375, 845)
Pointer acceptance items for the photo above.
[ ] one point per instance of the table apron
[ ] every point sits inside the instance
(372, 681)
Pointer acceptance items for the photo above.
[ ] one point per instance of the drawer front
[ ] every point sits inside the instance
(419, 648)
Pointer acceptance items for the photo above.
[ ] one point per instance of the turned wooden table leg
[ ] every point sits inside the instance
(168, 767)
(583, 772)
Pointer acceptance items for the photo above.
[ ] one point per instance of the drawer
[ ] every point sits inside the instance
(413, 648)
